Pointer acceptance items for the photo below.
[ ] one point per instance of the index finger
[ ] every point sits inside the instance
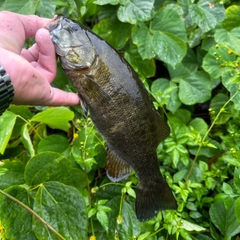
(30, 23)
(15, 28)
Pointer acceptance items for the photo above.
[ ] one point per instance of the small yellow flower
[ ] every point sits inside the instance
(78, 121)
(92, 238)
(75, 135)
(230, 51)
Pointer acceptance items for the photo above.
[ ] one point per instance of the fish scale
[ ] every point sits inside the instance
(121, 110)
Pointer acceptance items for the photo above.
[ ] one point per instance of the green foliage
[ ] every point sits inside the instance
(52, 179)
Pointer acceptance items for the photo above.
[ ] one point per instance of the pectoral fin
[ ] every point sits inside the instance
(117, 169)
(83, 105)
(96, 88)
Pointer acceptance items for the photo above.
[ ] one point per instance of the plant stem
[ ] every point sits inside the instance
(206, 134)
(33, 213)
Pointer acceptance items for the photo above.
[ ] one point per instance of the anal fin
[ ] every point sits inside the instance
(117, 169)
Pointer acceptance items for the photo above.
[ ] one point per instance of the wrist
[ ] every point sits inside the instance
(6, 90)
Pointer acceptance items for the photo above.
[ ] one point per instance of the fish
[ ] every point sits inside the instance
(121, 109)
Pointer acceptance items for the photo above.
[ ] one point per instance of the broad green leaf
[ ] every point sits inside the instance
(143, 39)
(237, 209)
(188, 65)
(224, 219)
(55, 117)
(54, 143)
(168, 38)
(46, 8)
(195, 88)
(231, 82)
(26, 140)
(166, 91)
(199, 125)
(168, 47)
(13, 174)
(232, 20)
(50, 166)
(218, 61)
(216, 105)
(230, 38)
(129, 226)
(145, 68)
(63, 208)
(237, 179)
(7, 122)
(21, 110)
(17, 222)
(165, 21)
(134, 10)
(207, 14)
(114, 32)
(20, 6)
(104, 2)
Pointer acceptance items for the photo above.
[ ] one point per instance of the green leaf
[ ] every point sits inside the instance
(50, 166)
(191, 226)
(56, 117)
(168, 47)
(13, 174)
(143, 39)
(195, 88)
(232, 20)
(237, 179)
(63, 208)
(7, 120)
(145, 68)
(103, 219)
(165, 21)
(230, 38)
(20, 6)
(26, 140)
(46, 8)
(199, 125)
(104, 2)
(224, 219)
(114, 32)
(237, 209)
(17, 222)
(168, 38)
(207, 14)
(133, 10)
(129, 225)
(54, 143)
(216, 105)
(166, 91)
(217, 61)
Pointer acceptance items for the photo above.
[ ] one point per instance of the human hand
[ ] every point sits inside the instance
(31, 70)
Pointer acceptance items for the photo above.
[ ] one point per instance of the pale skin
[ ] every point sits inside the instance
(31, 70)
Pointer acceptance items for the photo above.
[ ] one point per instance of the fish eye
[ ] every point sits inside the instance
(74, 27)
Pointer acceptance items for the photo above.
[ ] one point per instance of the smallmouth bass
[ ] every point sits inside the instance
(120, 108)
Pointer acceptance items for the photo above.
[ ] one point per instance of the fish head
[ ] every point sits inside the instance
(71, 43)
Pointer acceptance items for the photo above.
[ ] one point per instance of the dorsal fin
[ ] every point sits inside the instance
(117, 169)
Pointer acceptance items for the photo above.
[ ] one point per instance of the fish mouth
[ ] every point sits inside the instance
(55, 23)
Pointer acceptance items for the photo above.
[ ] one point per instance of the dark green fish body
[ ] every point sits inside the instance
(120, 108)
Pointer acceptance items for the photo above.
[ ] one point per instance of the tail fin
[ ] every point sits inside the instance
(152, 198)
